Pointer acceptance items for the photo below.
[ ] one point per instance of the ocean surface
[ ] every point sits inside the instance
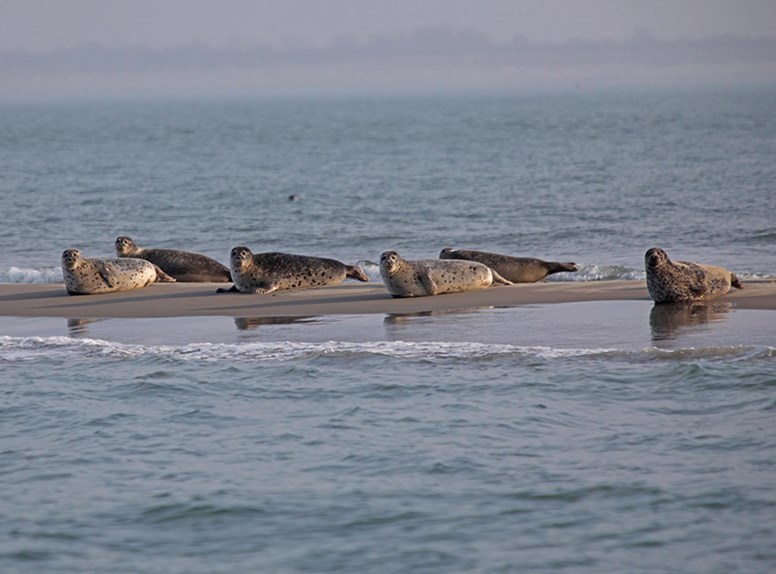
(575, 437)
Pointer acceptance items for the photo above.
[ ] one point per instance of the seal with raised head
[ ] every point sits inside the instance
(184, 266)
(679, 281)
(268, 272)
(422, 277)
(87, 276)
(514, 269)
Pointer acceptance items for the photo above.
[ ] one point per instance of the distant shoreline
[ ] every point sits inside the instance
(200, 299)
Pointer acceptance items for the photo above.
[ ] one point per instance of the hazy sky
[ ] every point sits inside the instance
(66, 45)
(48, 24)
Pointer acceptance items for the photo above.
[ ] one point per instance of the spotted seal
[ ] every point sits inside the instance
(268, 272)
(514, 269)
(678, 281)
(421, 277)
(87, 276)
(184, 266)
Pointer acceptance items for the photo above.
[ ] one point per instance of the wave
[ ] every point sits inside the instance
(21, 349)
(601, 273)
(42, 275)
(767, 236)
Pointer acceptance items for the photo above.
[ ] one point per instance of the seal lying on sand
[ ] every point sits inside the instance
(182, 265)
(423, 277)
(267, 272)
(515, 269)
(86, 276)
(678, 281)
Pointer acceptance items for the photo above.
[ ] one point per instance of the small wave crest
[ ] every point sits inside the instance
(732, 353)
(32, 348)
(41, 275)
(592, 272)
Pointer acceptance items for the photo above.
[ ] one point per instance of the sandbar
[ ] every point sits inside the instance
(201, 299)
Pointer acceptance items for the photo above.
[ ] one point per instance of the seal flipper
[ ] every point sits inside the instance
(428, 283)
(105, 271)
(161, 276)
(355, 272)
(232, 289)
(499, 279)
(556, 267)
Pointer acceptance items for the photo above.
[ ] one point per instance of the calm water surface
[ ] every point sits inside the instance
(584, 437)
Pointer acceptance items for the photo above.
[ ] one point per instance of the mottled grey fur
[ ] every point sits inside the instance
(267, 272)
(679, 281)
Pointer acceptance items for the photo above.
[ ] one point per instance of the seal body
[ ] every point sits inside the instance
(679, 281)
(422, 277)
(87, 276)
(184, 266)
(267, 272)
(514, 269)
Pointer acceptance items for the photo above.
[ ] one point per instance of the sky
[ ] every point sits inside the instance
(265, 45)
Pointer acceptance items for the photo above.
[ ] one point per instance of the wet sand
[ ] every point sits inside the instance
(201, 299)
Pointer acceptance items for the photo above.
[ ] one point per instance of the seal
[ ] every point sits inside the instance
(679, 281)
(87, 276)
(422, 277)
(184, 266)
(268, 272)
(514, 269)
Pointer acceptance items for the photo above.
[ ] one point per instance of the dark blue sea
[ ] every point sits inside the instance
(574, 437)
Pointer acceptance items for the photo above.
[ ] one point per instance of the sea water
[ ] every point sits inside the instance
(577, 437)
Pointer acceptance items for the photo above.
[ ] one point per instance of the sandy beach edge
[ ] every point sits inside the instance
(201, 299)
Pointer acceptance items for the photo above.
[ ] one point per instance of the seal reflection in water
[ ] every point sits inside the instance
(88, 276)
(267, 272)
(422, 277)
(667, 320)
(679, 281)
(514, 269)
(184, 266)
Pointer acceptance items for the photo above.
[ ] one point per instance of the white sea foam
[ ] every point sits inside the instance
(33, 348)
(30, 348)
(591, 272)
(40, 275)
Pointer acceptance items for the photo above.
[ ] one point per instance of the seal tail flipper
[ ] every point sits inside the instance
(556, 267)
(499, 279)
(355, 272)
(162, 277)
(735, 281)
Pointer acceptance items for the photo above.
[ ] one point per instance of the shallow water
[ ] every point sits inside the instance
(580, 437)
(573, 437)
